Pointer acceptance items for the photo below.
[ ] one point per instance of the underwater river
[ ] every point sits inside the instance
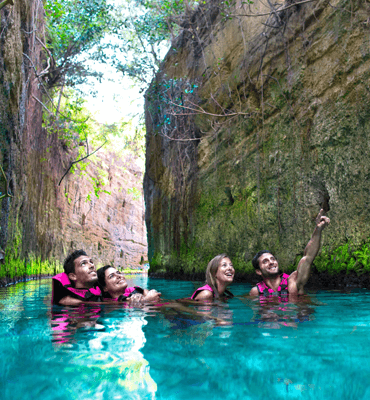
(242, 349)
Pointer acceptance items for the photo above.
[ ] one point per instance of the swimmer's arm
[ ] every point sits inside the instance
(147, 297)
(151, 296)
(70, 301)
(254, 291)
(310, 252)
(204, 295)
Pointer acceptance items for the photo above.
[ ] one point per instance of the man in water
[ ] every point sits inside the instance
(267, 267)
(78, 283)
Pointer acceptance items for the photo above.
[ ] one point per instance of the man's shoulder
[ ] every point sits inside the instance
(293, 276)
(292, 282)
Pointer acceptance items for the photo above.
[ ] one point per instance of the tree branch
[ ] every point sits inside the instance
(200, 110)
(269, 13)
(178, 140)
(7, 194)
(81, 159)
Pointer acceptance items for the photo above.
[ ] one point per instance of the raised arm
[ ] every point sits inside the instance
(310, 252)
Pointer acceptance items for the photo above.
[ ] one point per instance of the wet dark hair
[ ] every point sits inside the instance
(101, 275)
(69, 263)
(255, 259)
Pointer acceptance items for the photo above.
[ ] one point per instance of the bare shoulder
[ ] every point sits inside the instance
(293, 276)
(254, 291)
(204, 295)
(292, 282)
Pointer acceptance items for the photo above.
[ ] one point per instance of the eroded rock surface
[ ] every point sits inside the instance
(280, 106)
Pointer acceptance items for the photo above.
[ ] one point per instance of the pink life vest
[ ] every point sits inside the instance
(205, 287)
(282, 290)
(127, 293)
(92, 294)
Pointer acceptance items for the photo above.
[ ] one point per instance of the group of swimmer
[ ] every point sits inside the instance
(81, 282)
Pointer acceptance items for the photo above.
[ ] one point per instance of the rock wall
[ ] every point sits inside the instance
(42, 220)
(112, 226)
(253, 125)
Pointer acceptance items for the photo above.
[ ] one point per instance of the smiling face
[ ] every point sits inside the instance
(115, 282)
(225, 271)
(268, 266)
(85, 272)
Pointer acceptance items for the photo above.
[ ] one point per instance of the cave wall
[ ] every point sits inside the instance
(43, 220)
(276, 112)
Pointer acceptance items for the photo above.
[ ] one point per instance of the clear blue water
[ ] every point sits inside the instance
(316, 349)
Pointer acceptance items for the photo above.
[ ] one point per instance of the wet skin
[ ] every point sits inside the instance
(85, 272)
(115, 282)
(225, 272)
(268, 265)
(115, 285)
(224, 277)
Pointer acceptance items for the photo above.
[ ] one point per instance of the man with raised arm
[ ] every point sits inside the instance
(78, 283)
(284, 285)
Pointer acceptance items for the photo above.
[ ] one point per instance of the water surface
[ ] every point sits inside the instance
(315, 349)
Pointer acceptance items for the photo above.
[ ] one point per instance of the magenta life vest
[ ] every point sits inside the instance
(92, 294)
(205, 287)
(282, 290)
(129, 291)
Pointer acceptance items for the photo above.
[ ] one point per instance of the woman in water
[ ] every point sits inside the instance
(114, 286)
(219, 275)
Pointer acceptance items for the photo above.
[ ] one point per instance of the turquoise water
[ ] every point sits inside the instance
(315, 349)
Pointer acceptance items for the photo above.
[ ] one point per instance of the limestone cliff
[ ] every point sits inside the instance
(111, 227)
(42, 220)
(253, 124)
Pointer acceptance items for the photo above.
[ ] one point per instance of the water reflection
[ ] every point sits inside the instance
(273, 313)
(229, 350)
(108, 339)
(66, 320)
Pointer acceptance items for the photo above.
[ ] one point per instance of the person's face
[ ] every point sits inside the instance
(268, 265)
(85, 271)
(225, 271)
(114, 280)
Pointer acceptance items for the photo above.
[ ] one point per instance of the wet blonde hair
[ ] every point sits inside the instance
(211, 272)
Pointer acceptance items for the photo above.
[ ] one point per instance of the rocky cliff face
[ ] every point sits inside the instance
(253, 125)
(111, 227)
(42, 220)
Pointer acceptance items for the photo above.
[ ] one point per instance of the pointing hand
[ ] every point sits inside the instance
(321, 220)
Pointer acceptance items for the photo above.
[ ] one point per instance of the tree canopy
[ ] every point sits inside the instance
(133, 36)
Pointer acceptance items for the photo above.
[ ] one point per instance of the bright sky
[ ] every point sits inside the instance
(116, 98)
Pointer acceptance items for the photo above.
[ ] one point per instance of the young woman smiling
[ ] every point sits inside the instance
(115, 287)
(219, 275)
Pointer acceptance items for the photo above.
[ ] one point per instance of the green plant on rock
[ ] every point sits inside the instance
(156, 262)
(342, 259)
(136, 193)
(362, 256)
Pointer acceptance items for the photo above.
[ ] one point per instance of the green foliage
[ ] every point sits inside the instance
(73, 123)
(146, 31)
(139, 34)
(75, 27)
(136, 193)
(156, 262)
(16, 267)
(346, 258)
(98, 184)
